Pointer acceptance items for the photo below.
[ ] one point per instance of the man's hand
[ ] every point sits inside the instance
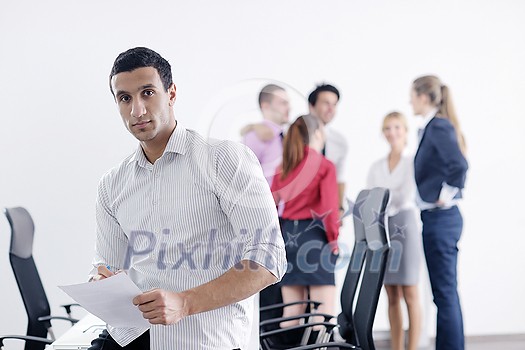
(246, 129)
(262, 131)
(341, 216)
(103, 272)
(159, 306)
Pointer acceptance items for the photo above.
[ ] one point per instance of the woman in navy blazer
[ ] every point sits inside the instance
(440, 168)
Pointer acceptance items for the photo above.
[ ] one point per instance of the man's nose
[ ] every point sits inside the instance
(137, 108)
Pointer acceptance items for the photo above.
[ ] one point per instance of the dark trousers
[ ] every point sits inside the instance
(105, 342)
(441, 233)
(271, 295)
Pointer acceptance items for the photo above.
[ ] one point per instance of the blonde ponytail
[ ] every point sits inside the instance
(447, 110)
(439, 96)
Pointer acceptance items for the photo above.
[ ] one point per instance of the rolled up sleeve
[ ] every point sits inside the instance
(246, 199)
(111, 241)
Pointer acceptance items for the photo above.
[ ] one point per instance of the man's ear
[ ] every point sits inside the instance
(263, 105)
(172, 92)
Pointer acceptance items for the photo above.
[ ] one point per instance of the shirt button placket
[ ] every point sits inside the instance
(156, 176)
(155, 201)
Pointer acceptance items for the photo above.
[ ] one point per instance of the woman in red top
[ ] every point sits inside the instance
(307, 187)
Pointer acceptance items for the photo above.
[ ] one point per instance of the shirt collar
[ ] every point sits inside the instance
(428, 117)
(176, 144)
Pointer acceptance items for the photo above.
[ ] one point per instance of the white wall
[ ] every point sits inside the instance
(60, 130)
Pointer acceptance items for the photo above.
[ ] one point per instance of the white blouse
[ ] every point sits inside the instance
(400, 182)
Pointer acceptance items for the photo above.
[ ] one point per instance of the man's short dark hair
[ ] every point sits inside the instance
(267, 93)
(140, 57)
(312, 98)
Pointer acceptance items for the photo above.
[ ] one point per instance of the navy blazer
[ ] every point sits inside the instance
(439, 159)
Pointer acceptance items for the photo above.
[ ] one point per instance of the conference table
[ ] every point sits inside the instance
(89, 327)
(81, 334)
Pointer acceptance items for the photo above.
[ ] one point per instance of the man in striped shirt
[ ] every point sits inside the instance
(191, 220)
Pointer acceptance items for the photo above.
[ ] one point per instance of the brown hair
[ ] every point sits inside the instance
(297, 137)
(439, 95)
(268, 92)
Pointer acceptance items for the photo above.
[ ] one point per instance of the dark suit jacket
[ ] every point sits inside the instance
(439, 159)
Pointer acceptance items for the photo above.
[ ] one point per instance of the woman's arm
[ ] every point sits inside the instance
(329, 203)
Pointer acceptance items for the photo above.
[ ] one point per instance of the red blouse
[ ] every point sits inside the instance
(310, 190)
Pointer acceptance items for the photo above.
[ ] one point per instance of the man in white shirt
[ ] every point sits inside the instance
(322, 102)
(192, 221)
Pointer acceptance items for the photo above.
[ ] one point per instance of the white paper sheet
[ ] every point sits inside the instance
(110, 300)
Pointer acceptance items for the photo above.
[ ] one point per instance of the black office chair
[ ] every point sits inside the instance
(345, 319)
(372, 215)
(378, 246)
(28, 279)
(31, 341)
(350, 284)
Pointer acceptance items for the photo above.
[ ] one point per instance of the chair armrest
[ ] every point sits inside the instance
(49, 318)
(283, 305)
(328, 325)
(24, 337)
(326, 345)
(68, 308)
(327, 317)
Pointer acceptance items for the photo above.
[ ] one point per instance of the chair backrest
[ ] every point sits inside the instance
(26, 273)
(373, 217)
(353, 273)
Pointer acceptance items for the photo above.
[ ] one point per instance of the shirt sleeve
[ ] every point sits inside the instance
(257, 146)
(330, 202)
(246, 199)
(340, 164)
(447, 193)
(275, 187)
(111, 242)
(447, 147)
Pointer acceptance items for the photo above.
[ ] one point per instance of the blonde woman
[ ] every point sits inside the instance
(440, 170)
(396, 172)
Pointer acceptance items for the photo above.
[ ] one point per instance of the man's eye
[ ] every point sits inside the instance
(124, 98)
(149, 92)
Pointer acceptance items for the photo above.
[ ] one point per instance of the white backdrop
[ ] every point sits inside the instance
(60, 129)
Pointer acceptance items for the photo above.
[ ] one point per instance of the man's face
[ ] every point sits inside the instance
(144, 105)
(278, 108)
(325, 106)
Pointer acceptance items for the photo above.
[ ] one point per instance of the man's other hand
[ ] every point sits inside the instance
(103, 272)
(159, 306)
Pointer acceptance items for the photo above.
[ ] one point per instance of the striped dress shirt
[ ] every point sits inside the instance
(185, 220)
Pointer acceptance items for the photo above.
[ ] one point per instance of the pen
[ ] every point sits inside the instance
(116, 272)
